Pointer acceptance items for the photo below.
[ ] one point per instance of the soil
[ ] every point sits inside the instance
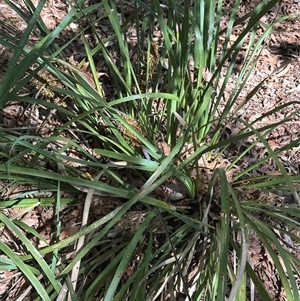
(278, 65)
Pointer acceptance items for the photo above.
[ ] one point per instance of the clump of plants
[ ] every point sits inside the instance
(183, 221)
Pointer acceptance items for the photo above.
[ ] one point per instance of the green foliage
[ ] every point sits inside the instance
(182, 102)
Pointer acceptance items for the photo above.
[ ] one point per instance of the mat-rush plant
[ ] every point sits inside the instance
(198, 250)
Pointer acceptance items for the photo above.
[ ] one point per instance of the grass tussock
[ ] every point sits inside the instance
(136, 142)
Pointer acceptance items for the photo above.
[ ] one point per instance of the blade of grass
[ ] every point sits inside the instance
(126, 257)
(35, 253)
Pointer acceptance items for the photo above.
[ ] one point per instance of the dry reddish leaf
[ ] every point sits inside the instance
(164, 147)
